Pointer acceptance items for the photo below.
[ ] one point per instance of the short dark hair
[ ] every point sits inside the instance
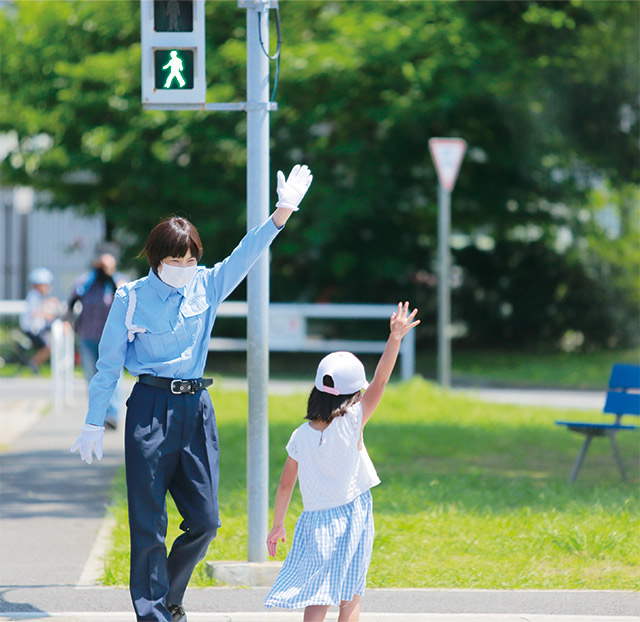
(173, 237)
(326, 406)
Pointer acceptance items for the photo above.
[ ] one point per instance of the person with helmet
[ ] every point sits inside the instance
(36, 320)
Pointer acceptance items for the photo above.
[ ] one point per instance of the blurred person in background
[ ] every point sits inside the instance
(35, 321)
(91, 298)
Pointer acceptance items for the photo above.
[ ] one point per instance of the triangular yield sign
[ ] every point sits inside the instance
(447, 154)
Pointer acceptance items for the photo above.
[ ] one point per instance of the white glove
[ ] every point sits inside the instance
(290, 192)
(89, 441)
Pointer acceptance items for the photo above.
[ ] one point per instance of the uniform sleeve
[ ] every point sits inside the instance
(229, 273)
(112, 352)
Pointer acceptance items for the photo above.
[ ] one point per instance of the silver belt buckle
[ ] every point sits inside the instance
(181, 386)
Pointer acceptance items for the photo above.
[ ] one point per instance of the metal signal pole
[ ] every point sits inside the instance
(257, 280)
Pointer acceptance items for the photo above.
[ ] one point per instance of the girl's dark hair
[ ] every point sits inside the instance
(173, 237)
(325, 406)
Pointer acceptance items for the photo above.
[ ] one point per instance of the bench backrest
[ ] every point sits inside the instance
(623, 396)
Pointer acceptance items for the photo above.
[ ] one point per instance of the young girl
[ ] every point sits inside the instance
(333, 538)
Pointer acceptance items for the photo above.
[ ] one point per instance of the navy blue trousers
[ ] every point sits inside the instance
(171, 444)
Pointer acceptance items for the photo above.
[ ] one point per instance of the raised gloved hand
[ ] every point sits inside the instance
(89, 441)
(291, 191)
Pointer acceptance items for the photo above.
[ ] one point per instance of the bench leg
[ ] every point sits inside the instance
(580, 458)
(616, 454)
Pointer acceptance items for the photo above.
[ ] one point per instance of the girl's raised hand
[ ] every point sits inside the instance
(402, 321)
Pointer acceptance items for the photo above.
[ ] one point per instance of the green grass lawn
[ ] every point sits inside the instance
(472, 495)
(577, 370)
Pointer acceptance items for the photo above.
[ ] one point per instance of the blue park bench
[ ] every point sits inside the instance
(623, 398)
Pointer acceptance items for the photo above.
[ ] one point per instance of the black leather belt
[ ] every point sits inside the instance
(176, 386)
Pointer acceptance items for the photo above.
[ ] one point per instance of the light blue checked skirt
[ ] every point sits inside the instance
(329, 557)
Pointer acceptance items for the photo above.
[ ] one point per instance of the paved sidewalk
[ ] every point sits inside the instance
(52, 509)
(554, 398)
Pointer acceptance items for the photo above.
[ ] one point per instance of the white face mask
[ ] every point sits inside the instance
(176, 276)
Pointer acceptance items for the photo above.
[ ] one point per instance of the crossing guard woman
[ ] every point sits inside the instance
(159, 328)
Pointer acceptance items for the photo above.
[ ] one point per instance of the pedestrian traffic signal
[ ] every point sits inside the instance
(173, 15)
(173, 52)
(173, 69)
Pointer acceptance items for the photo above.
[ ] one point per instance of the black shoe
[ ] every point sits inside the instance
(177, 613)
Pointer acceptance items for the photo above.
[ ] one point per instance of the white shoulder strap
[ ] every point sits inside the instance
(132, 329)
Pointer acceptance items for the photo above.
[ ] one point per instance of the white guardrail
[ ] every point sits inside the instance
(288, 330)
(63, 353)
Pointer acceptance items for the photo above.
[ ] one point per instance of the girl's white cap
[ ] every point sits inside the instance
(346, 371)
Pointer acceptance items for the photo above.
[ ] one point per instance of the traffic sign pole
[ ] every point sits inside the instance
(444, 287)
(447, 154)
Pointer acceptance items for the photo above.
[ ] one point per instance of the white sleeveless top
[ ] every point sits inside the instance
(332, 470)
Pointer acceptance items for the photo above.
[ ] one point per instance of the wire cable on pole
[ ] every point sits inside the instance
(276, 55)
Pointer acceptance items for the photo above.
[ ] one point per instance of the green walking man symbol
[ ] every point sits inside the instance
(175, 64)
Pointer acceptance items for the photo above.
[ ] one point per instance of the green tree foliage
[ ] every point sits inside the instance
(545, 212)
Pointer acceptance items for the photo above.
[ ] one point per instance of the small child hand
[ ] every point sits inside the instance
(277, 533)
(402, 321)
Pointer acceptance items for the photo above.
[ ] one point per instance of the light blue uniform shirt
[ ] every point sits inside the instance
(165, 331)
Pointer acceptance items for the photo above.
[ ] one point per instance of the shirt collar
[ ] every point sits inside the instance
(160, 287)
